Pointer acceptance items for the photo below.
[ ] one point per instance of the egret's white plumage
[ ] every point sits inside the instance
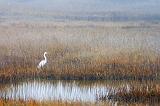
(43, 62)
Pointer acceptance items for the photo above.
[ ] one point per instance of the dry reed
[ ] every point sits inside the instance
(79, 50)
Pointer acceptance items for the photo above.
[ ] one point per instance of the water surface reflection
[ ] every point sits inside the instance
(71, 91)
(54, 90)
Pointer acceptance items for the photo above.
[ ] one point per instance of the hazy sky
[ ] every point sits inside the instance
(134, 7)
(85, 5)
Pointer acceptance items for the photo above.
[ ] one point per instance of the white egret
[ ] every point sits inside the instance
(43, 62)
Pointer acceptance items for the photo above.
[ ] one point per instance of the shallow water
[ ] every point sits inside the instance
(53, 90)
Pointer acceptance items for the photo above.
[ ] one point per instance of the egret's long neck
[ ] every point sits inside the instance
(45, 58)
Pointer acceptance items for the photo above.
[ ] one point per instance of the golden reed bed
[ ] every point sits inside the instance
(45, 103)
(80, 50)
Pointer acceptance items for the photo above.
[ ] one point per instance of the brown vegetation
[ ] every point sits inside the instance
(79, 50)
(132, 94)
(35, 103)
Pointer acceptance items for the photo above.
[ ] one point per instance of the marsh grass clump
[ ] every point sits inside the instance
(134, 94)
(31, 102)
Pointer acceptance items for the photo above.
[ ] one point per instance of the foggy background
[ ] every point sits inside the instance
(90, 10)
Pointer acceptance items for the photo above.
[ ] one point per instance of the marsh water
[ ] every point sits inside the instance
(53, 90)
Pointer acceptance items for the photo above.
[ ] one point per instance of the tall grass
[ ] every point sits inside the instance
(131, 93)
(79, 50)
